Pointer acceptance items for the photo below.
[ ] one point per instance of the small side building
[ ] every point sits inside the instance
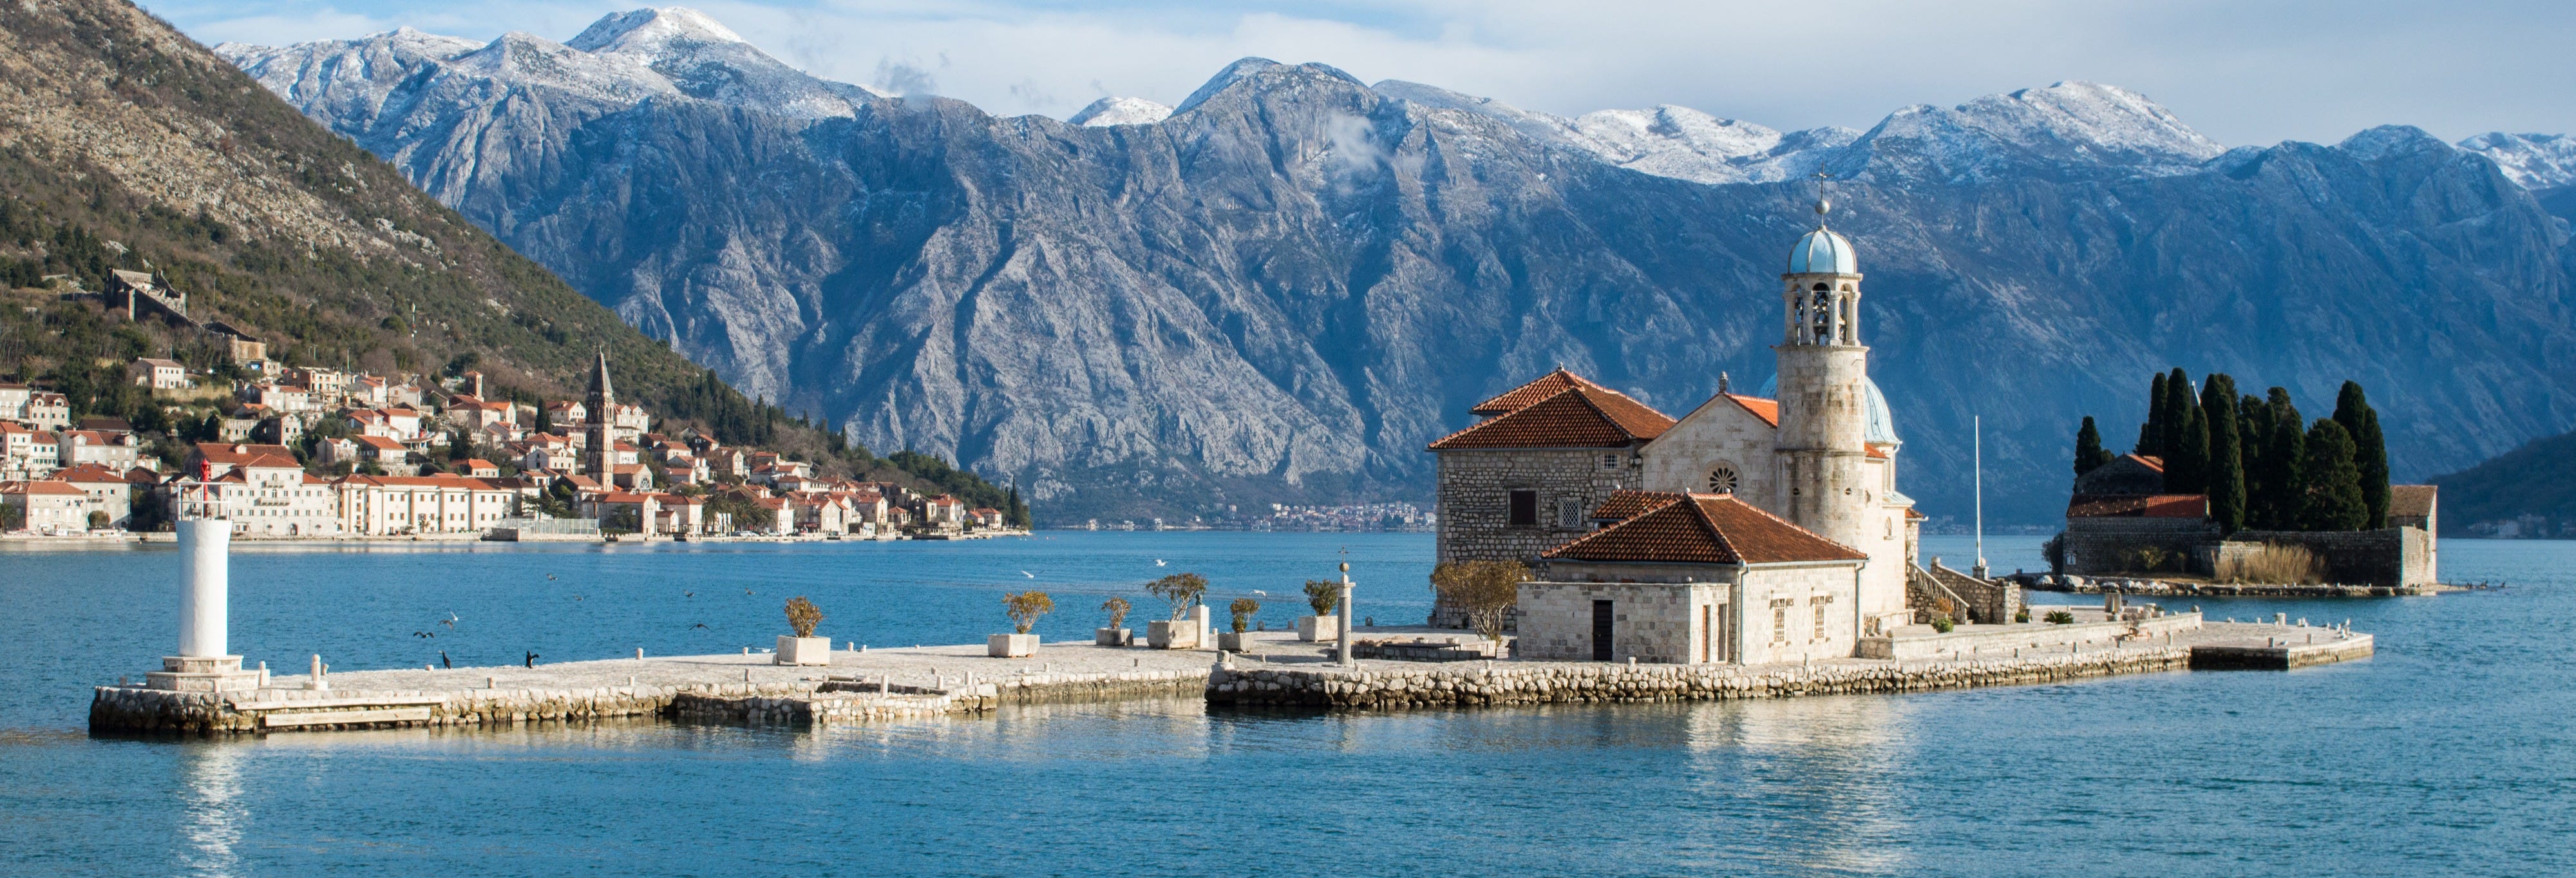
(1692, 579)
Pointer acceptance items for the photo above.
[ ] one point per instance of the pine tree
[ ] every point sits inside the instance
(2331, 481)
(2226, 478)
(2370, 450)
(2151, 435)
(2089, 452)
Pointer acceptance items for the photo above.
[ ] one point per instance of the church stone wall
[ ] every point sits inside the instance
(1779, 613)
(1651, 622)
(1719, 432)
(1475, 490)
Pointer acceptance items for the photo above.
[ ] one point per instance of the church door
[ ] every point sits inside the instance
(1602, 625)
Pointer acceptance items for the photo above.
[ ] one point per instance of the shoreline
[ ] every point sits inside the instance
(865, 686)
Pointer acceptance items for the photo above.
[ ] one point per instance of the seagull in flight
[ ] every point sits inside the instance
(688, 594)
(450, 622)
(1028, 574)
(423, 634)
(1261, 593)
(1158, 562)
(550, 576)
(697, 626)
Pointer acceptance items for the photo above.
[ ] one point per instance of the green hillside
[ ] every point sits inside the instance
(132, 147)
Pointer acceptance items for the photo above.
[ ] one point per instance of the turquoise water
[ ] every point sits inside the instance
(2448, 753)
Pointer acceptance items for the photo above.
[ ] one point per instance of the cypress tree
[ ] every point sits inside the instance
(2088, 448)
(2370, 450)
(2226, 479)
(2151, 435)
(2284, 445)
(2187, 469)
(2331, 499)
(2178, 404)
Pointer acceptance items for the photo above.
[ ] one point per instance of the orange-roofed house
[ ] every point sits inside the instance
(444, 503)
(47, 507)
(1692, 578)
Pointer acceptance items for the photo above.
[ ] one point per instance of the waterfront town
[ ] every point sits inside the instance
(315, 453)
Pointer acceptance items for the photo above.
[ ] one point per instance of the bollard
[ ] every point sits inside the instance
(639, 653)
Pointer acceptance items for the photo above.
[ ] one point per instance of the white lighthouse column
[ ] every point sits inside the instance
(205, 662)
(205, 571)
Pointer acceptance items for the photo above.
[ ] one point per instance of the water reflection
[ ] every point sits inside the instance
(211, 818)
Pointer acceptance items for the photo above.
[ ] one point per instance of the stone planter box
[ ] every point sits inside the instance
(1183, 634)
(1234, 641)
(803, 650)
(1011, 645)
(1312, 628)
(1113, 636)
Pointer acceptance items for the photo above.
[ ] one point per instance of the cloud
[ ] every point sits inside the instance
(2241, 73)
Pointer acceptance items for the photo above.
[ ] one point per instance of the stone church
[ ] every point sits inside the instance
(1614, 503)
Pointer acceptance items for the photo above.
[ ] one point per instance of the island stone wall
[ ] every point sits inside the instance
(1540, 683)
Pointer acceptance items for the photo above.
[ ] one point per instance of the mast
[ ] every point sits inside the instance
(1978, 427)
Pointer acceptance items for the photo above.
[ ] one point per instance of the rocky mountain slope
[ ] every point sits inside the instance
(1283, 289)
(2529, 492)
(129, 146)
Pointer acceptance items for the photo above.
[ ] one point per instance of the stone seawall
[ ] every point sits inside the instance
(136, 710)
(1538, 683)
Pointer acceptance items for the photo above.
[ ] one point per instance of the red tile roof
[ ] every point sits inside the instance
(42, 487)
(270, 456)
(1624, 505)
(2137, 506)
(2153, 462)
(1766, 409)
(2412, 501)
(1576, 417)
(1704, 529)
(90, 472)
(1515, 399)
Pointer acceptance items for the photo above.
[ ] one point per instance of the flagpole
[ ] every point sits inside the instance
(1978, 427)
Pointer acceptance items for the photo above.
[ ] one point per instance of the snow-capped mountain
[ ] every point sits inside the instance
(1278, 291)
(1109, 111)
(2537, 161)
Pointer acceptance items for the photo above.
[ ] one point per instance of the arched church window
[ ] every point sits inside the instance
(1822, 287)
(1722, 478)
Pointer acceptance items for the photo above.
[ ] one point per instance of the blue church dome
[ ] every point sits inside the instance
(1823, 251)
(1880, 428)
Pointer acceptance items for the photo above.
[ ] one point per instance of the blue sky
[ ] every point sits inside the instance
(2243, 73)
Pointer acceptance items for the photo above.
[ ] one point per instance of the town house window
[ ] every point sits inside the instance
(1820, 620)
(1521, 509)
(1609, 461)
(1569, 513)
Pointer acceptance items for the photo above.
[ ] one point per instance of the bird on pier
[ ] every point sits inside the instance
(532, 659)
(442, 660)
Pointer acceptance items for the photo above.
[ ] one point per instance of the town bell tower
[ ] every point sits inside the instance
(600, 438)
(1824, 404)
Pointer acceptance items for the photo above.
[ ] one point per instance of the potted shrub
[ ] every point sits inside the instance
(1024, 609)
(1116, 634)
(1183, 591)
(1322, 596)
(1236, 640)
(803, 648)
(2060, 617)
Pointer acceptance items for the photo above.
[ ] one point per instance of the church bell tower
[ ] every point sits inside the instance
(1824, 372)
